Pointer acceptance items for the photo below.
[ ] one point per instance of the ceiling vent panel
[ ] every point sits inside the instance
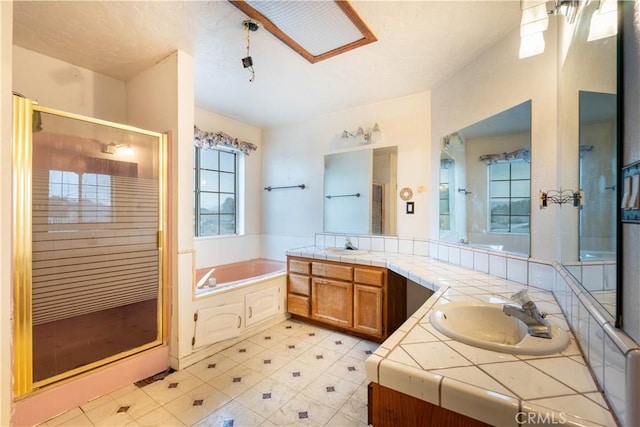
(316, 30)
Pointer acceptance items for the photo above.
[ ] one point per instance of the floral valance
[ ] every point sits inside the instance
(521, 154)
(208, 140)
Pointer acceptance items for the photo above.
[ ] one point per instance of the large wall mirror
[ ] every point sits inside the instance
(359, 192)
(589, 131)
(485, 183)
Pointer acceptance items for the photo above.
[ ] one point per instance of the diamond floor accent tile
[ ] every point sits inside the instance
(283, 386)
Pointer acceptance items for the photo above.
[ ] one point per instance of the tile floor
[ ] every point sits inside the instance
(291, 374)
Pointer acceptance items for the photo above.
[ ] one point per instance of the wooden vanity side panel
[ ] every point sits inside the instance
(390, 408)
(396, 302)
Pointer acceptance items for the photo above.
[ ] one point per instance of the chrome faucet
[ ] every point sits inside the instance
(348, 245)
(527, 311)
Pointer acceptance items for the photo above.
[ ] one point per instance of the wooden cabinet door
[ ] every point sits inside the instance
(332, 302)
(367, 309)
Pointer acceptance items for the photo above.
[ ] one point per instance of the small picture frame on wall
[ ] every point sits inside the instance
(410, 209)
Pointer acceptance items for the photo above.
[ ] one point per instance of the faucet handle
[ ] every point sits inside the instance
(522, 297)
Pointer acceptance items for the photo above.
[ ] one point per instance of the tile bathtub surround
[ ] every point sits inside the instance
(290, 374)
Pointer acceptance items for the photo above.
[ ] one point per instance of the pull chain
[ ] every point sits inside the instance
(248, 62)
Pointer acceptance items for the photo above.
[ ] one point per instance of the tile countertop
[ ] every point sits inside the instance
(496, 388)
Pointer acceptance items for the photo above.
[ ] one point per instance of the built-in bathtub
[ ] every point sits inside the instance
(209, 280)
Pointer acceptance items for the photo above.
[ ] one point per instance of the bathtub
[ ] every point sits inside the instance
(228, 276)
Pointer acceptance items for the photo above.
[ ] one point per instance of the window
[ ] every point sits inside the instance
(509, 197)
(79, 197)
(215, 193)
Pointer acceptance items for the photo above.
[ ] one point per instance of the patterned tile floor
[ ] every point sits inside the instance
(291, 374)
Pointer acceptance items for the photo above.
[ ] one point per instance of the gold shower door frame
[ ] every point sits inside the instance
(22, 175)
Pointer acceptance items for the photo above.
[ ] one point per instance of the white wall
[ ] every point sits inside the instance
(6, 154)
(63, 86)
(161, 99)
(211, 251)
(495, 81)
(294, 154)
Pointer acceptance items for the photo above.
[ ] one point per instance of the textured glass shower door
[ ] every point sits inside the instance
(96, 267)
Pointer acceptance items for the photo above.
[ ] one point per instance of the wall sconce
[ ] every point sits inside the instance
(560, 197)
(535, 21)
(113, 148)
(604, 21)
(361, 137)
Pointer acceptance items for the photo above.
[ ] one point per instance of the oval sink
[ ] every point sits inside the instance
(484, 325)
(345, 251)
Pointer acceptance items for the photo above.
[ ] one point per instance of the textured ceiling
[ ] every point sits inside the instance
(420, 43)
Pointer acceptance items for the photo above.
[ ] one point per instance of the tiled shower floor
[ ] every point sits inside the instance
(291, 374)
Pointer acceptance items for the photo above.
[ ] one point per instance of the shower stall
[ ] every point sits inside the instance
(89, 244)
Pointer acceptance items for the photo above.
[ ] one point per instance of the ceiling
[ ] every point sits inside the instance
(420, 43)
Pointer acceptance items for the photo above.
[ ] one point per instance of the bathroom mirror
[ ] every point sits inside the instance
(359, 191)
(485, 183)
(589, 132)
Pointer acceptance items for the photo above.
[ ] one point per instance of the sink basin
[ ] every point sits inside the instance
(484, 325)
(345, 251)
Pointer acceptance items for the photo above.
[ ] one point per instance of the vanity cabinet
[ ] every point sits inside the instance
(363, 300)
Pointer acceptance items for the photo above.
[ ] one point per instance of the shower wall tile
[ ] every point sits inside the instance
(454, 255)
(466, 258)
(593, 277)
(614, 377)
(481, 261)
(541, 275)
(377, 244)
(421, 247)
(517, 270)
(391, 245)
(498, 266)
(405, 246)
(443, 253)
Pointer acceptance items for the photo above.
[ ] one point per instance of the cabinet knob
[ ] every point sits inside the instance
(250, 312)
(239, 321)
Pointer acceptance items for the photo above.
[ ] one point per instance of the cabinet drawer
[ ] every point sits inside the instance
(297, 266)
(299, 284)
(298, 305)
(368, 276)
(340, 272)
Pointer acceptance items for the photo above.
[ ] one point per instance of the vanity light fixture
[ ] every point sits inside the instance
(535, 21)
(371, 136)
(113, 148)
(604, 21)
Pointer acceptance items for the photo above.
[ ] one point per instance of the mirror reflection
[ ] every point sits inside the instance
(588, 84)
(485, 183)
(359, 192)
(598, 176)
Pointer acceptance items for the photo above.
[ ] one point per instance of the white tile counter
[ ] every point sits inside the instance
(496, 388)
